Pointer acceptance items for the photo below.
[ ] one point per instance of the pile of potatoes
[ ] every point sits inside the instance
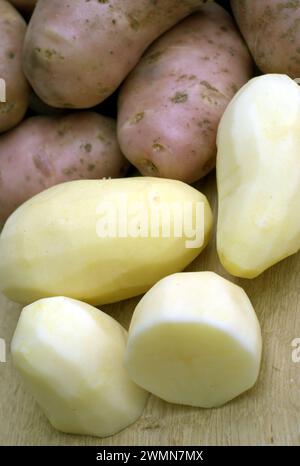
(88, 95)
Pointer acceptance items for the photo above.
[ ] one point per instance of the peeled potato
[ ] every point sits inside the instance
(195, 340)
(258, 172)
(71, 357)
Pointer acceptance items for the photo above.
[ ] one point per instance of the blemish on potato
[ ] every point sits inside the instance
(6, 107)
(88, 147)
(101, 137)
(137, 118)
(158, 147)
(154, 57)
(10, 54)
(41, 164)
(209, 86)
(69, 171)
(148, 167)
(133, 22)
(179, 98)
(91, 167)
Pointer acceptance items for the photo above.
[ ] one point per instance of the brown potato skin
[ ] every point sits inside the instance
(271, 30)
(77, 53)
(171, 104)
(12, 33)
(45, 151)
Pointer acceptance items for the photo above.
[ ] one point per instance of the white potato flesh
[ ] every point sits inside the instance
(71, 358)
(258, 172)
(194, 340)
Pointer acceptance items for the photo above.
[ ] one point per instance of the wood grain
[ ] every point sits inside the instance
(268, 414)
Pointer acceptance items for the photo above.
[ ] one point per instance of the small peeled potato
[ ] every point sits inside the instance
(195, 340)
(71, 357)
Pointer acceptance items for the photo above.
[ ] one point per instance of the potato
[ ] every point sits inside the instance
(24, 5)
(45, 151)
(14, 90)
(195, 340)
(71, 357)
(258, 171)
(101, 241)
(271, 30)
(77, 56)
(171, 104)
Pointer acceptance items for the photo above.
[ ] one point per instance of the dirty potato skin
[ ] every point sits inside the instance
(78, 52)
(12, 33)
(171, 104)
(45, 151)
(271, 29)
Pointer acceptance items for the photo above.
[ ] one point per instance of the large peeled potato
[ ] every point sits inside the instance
(258, 171)
(271, 30)
(71, 358)
(77, 53)
(45, 151)
(14, 102)
(194, 339)
(98, 241)
(171, 104)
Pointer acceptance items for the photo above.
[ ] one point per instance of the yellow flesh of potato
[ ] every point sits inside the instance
(258, 171)
(194, 340)
(71, 357)
(51, 245)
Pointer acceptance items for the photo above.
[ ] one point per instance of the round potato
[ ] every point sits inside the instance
(77, 55)
(271, 30)
(14, 90)
(45, 151)
(171, 104)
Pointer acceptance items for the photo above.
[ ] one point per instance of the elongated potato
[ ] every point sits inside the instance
(44, 151)
(171, 104)
(71, 358)
(101, 241)
(194, 339)
(77, 55)
(258, 171)
(14, 90)
(271, 30)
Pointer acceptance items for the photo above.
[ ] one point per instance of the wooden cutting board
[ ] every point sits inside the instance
(268, 414)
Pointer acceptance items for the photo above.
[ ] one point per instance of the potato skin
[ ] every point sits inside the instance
(271, 30)
(12, 33)
(171, 104)
(45, 151)
(50, 246)
(77, 53)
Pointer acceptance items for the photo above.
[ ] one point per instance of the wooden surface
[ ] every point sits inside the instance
(268, 414)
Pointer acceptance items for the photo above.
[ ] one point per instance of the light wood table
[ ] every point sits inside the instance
(268, 414)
